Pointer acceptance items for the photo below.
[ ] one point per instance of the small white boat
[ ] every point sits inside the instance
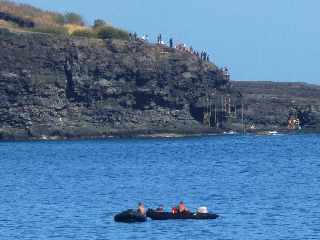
(274, 133)
(230, 133)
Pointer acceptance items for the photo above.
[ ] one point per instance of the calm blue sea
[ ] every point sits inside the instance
(264, 187)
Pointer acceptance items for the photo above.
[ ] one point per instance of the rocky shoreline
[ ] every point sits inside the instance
(160, 135)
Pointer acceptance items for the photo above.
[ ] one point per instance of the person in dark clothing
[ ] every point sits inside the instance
(171, 43)
(204, 56)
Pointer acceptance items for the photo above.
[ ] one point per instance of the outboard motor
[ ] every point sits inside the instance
(203, 210)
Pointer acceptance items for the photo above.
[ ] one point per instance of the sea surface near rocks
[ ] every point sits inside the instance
(263, 187)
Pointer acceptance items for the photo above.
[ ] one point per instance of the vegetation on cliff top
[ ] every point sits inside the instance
(23, 17)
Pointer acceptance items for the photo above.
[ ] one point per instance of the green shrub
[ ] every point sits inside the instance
(108, 32)
(59, 19)
(85, 33)
(28, 12)
(73, 18)
(98, 23)
(60, 24)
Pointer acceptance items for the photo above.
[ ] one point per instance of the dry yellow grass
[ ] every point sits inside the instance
(4, 24)
(39, 17)
(73, 28)
(54, 23)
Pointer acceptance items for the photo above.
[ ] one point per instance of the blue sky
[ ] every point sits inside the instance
(275, 40)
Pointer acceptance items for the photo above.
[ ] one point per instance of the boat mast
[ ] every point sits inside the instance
(242, 116)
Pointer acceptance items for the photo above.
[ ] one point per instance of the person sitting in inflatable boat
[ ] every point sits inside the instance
(160, 208)
(180, 209)
(141, 210)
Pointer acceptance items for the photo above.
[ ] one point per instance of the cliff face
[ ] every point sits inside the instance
(76, 87)
(271, 105)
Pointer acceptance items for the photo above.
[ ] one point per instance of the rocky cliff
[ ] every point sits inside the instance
(62, 87)
(280, 106)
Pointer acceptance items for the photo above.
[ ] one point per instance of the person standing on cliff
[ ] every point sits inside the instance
(204, 56)
(160, 38)
(171, 43)
(145, 38)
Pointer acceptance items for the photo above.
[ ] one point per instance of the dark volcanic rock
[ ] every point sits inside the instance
(269, 105)
(60, 87)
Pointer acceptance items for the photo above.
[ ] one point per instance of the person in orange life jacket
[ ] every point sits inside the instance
(174, 210)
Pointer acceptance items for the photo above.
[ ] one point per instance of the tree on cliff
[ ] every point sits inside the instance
(108, 32)
(99, 23)
(73, 18)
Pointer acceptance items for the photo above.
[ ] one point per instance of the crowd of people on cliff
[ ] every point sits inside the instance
(203, 55)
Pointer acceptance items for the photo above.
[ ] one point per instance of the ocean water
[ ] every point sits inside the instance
(263, 187)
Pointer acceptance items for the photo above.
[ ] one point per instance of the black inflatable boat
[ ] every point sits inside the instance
(155, 215)
(130, 216)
